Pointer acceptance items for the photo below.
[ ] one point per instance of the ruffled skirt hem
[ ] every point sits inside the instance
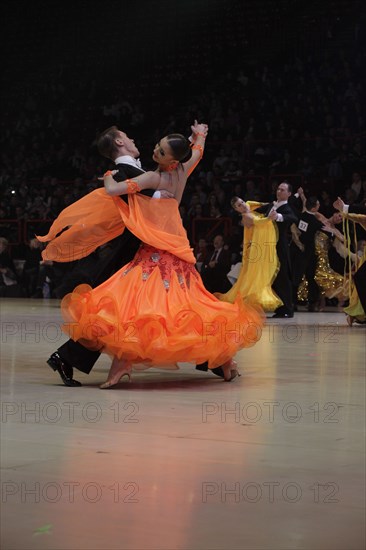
(139, 319)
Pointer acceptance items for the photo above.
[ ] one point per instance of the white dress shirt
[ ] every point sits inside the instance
(127, 159)
(216, 254)
(276, 205)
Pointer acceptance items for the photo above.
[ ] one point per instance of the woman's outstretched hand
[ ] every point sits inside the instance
(338, 204)
(199, 129)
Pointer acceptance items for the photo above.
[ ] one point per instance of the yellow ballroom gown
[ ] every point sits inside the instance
(260, 265)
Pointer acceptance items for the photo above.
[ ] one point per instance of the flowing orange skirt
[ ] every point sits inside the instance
(155, 310)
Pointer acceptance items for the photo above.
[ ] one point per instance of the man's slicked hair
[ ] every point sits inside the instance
(106, 142)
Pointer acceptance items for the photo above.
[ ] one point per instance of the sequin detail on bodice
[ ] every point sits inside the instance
(149, 258)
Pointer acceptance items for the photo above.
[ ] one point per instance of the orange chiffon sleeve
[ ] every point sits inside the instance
(98, 218)
(86, 224)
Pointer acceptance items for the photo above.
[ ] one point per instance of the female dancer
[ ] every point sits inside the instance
(155, 310)
(355, 311)
(260, 262)
(330, 283)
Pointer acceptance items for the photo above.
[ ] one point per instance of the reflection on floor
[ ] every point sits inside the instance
(180, 459)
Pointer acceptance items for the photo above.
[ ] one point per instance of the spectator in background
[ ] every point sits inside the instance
(250, 192)
(38, 209)
(326, 203)
(357, 187)
(201, 251)
(199, 190)
(216, 266)
(54, 208)
(46, 280)
(215, 212)
(30, 273)
(197, 226)
(195, 200)
(9, 286)
(211, 204)
(220, 163)
(232, 173)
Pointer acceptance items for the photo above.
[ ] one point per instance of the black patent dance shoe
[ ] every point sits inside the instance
(64, 370)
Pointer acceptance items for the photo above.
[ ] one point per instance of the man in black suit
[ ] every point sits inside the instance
(302, 252)
(282, 214)
(216, 266)
(117, 146)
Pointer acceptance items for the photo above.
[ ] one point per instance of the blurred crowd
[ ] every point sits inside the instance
(300, 119)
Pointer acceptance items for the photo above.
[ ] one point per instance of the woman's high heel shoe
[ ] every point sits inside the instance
(116, 373)
(230, 370)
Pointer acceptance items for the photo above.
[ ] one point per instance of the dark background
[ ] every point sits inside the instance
(280, 82)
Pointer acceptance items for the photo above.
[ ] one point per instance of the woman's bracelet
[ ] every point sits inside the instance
(132, 186)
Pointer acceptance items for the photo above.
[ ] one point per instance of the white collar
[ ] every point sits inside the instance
(279, 203)
(308, 212)
(127, 159)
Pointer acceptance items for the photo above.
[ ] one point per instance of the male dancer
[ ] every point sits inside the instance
(282, 214)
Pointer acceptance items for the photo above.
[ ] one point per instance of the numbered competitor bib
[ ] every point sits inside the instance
(303, 226)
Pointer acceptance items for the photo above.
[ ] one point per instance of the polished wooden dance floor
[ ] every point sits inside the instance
(180, 459)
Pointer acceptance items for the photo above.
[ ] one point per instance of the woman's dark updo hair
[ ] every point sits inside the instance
(180, 146)
(234, 200)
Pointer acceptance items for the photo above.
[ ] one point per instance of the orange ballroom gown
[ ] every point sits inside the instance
(154, 311)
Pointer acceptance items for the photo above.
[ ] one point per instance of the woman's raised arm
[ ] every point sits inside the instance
(199, 133)
(148, 180)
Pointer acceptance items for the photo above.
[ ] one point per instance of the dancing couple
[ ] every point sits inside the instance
(155, 310)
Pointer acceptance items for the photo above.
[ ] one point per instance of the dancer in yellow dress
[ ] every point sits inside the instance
(355, 311)
(356, 213)
(260, 263)
(154, 310)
